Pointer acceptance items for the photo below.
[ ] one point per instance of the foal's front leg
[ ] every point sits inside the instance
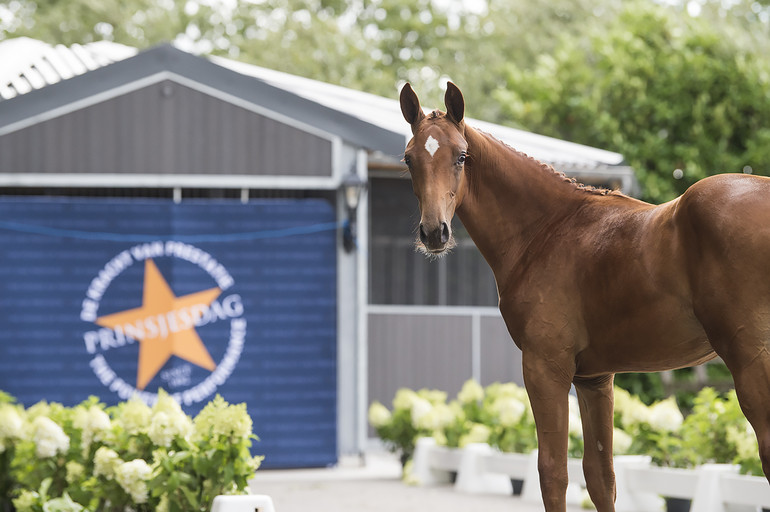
(596, 398)
(548, 387)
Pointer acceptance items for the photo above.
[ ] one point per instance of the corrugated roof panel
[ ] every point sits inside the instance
(85, 57)
(51, 56)
(20, 84)
(34, 77)
(29, 64)
(71, 59)
(47, 71)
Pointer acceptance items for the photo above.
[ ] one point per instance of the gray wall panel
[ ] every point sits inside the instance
(500, 357)
(417, 351)
(423, 350)
(165, 128)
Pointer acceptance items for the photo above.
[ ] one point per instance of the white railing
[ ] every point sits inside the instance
(640, 486)
(245, 503)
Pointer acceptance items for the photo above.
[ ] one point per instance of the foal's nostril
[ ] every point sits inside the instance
(423, 235)
(444, 233)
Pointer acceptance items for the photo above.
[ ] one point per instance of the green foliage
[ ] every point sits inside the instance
(715, 432)
(647, 386)
(130, 456)
(668, 92)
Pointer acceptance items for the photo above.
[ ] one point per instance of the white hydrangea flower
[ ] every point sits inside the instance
(379, 415)
(27, 501)
(134, 416)
(49, 437)
(132, 476)
(166, 403)
(508, 410)
(75, 471)
(621, 442)
(403, 399)
(470, 392)
(420, 407)
(478, 434)
(632, 410)
(219, 418)
(11, 424)
(166, 426)
(93, 423)
(665, 416)
(105, 462)
(168, 421)
(438, 417)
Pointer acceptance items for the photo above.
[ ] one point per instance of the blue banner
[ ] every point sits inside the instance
(120, 297)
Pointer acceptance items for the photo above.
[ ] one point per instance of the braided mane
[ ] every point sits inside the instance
(601, 191)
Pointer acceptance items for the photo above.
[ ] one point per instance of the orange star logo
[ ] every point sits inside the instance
(164, 325)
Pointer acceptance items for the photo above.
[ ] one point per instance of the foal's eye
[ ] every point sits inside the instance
(407, 161)
(461, 158)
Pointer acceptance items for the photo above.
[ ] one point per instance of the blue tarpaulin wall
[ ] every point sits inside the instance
(75, 275)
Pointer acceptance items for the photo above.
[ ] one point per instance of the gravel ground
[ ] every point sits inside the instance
(374, 487)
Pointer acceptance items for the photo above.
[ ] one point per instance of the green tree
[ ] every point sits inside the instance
(668, 92)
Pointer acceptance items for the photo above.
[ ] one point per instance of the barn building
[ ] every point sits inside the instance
(221, 187)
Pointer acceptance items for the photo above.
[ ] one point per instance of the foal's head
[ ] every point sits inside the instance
(436, 159)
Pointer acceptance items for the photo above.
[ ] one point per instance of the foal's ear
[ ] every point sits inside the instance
(455, 104)
(410, 106)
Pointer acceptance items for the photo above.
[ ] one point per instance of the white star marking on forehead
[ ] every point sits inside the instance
(431, 145)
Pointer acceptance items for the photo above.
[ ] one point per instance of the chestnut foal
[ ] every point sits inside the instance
(593, 282)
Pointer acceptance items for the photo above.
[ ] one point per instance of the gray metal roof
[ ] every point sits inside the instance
(41, 80)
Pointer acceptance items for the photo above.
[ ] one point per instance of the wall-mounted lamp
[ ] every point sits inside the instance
(352, 186)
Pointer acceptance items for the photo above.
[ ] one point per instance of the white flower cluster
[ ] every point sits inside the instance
(379, 415)
(93, 422)
(403, 399)
(49, 437)
(11, 425)
(632, 411)
(470, 392)
(508, 403)
(436, 418)
(134, 416)
(220, 419)
(665, 416)
(105, 462)
(479, 433)
(509, 410)
(427, 408)
(168, 422)
(165, 427)
(132, 476)
(621, 442)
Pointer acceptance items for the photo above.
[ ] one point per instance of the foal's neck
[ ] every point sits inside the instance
(510, 198)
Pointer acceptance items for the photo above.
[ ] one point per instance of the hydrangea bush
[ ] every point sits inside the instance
(500, 414)
(128, 457)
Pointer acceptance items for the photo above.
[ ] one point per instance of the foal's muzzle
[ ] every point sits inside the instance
(435, 240)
